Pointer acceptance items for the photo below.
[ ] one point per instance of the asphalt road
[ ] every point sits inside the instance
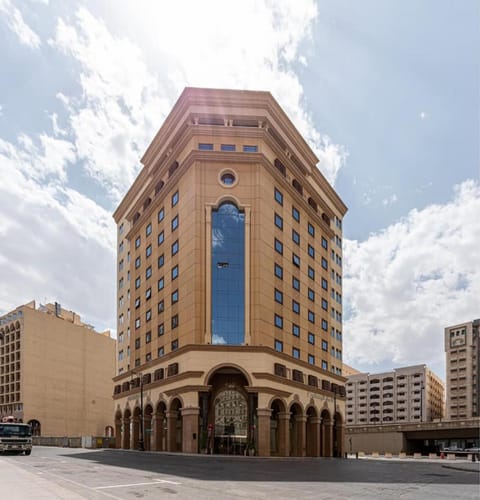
(62, 473)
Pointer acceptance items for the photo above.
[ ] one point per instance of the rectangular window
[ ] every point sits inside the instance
(311, 230)
(311, 273)
(161, 214)
(161, 283)
(295, 330)
(120, 265)
(204, 146)
(161, 329)
(324, 243)
(311, 338)
(324, 263)
(174, 198)
(120, 247)
(278, 196)
(138, 262)
(278, 221)
(148, 229)
(324, 365)
(161, 238)
(227, 147)
(174, 321)
(161, 352)
(295, 214)
(137, 242)
(324, 345)
(295, 260)
(296, 353)
(137, 343)
(148, 272)
(295, 307)
(137, 323)
(121, 228)
(148, 315)
(250, 149)
(311, 251)
(161, 307)
(278, 296)
(295, 283)
(148, 251)
(311, 295)
(325, 325)
(325, 305)
(279, 271)
(137, 302)
(175, 272)
(137, 283)
(148, 293)
(174, 223)
(174, 345)
(278, 321)
(161, 261)
(148, 357)
(278, 246)
(278, 345)
(175, 247)
(324, 284)
(295, 237)
(175, 296)
(311, 359)
(148, 337)
(311, 316)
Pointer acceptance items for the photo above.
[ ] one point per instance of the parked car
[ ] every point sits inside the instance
(473, 450)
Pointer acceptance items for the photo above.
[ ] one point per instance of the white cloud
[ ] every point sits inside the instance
(390, 199)
(404, 285)
(422, 115)
(14, 20)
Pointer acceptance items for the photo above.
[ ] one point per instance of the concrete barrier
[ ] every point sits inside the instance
(375, 454)
(388, 455)
(402, 455)
(432, 455)
(451, 456)
(361, 453)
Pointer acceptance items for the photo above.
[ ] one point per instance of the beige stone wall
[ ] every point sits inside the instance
(376, 442)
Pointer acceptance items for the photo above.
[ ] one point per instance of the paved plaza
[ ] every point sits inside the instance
(62, 473)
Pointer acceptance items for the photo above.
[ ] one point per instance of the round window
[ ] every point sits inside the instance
(228, 178)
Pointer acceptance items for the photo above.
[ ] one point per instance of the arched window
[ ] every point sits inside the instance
(228, 275)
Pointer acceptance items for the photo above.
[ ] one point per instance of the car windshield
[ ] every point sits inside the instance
(15, 430)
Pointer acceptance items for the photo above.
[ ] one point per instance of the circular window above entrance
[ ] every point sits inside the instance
(227, 178)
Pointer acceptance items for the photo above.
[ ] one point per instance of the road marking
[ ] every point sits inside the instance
(155, 481)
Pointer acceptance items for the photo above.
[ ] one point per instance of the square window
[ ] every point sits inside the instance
(311, 251)
(295, 214)
(295, 260)
(161, 214)
(278, 345)
(311, 295)
(138, 262)
(295, 307)
(324, 243)
(311, 359)
(278, 321)
(311, 338)
(148, 293)
(311, 230)
(279, 271)
(278, 221)
(148, 229)
(295, 237)
(174, 345)
(278, 196)
(295, 283)
(278, 246)
(278, 296)
(161, 307)
(311, 316)
(137, 242)
(161, 261)
(175, 297)
(174, 198)
(174, 223)
(161, 283)
(161, 329)
(148, 251)
(161, 238)
(250, 149)
(175, 272)
(148, 272)
(174, 321)
(295, 330)
(203, 146)
(296, 353)
(175, 247)
(227, 147)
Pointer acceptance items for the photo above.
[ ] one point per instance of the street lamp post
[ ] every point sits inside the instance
(141, 444)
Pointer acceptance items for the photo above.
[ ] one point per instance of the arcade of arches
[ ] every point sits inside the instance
(230, 419)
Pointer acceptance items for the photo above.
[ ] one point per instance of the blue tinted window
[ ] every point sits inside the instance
(278, 197)
(161, 260)
(205, 146)
(311, 273)
(250, 149)
(295, 283)
(175, 272)
(228, 275)
(311, 251)
(278, 221)
(137, 283)
(137, 262)
(278, 271)
(161, 214)
(278, 296)
(325, 304)
(295, 237)
(175, 247)
(174, 198)
(324, 263)
(295, 307)
(148, 229)
(311, 316)
(278, 346)
(296, 353)
(324, 243)
(324, 345)
(161, 283)
(311, 359)
(295, 214)
(295, 330)
(278, 321)
(311, 230)
(295, 260)
(137, 242)
(227, 147)
(148, 272)
(161, 238)
(325, 325)
(174, 296)
(174, 223)
(278, 246)
(324, 365)
(148, 251)
(324, 284)
(311, 338)
(311, 295)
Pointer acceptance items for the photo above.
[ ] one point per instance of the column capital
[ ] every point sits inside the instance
(192, 410)
(300, 418)
(315, 420)
(284, 415)
(264, 412)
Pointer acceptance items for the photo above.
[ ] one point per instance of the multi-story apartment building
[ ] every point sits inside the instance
(230, 286)
(409, 394)
(462, 348)
(55, 371)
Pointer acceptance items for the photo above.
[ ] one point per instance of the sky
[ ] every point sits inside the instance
(385, 92)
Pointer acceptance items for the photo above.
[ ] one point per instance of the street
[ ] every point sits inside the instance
(120, 474)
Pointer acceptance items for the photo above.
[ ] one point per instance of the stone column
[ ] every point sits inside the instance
(190, 429)
(301, 423)
(118, 433)
(327, 439)
(283, 434)
(263, 431)
(126, 434)
(147, 431)
(171, 430)
(314, 436)
(341, 439)
(136, 432)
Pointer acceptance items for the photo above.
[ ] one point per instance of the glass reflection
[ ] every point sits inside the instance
(228, 275)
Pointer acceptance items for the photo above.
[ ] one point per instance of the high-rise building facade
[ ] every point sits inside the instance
(403, 395)
(55, 372)
(230, 287)
(462, 348)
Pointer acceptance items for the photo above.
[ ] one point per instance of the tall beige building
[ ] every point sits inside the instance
(409, 394)
(55, 371)
(230, 286)
(462, 348)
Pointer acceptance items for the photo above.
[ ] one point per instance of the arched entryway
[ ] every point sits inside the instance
(118, 429)
(312, 433)
(126, 429)
(278, 428)
(174, 420)
(326, 434)
(36, 427)
(147, 422)
(297, 431)
(160, 427)
(137, 414)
